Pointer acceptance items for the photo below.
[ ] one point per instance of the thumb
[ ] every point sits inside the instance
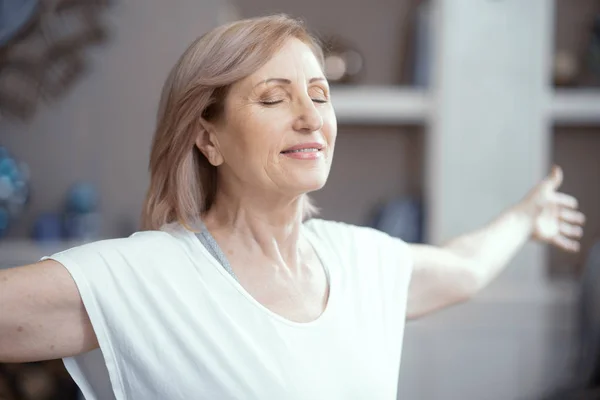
(555, 178)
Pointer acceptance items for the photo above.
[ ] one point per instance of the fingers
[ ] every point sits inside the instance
(566, 244)
(566, 200)
(572, 216)
(556, 177)
(569, 234)
(570, 231)
(571, 220)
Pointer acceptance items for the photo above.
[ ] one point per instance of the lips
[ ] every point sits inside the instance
(304, 147)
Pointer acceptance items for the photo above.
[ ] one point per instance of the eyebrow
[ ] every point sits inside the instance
(287, 81)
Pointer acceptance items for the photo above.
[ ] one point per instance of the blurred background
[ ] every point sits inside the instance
(449, 111)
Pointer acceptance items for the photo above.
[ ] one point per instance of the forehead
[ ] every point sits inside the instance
(295, 60)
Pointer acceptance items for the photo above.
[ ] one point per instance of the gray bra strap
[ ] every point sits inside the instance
(209, 242)
(213, 248)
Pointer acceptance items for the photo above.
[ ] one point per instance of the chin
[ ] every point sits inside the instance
(310, 182)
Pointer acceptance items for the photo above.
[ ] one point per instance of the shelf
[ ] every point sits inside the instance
(380, 105)
(20, 252)
(576, 107)
(388, 105)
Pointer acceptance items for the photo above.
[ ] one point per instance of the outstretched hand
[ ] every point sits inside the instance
(555, 216)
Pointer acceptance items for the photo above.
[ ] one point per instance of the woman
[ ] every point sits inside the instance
(230, 292)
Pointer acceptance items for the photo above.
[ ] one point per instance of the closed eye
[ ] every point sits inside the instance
(271, 103)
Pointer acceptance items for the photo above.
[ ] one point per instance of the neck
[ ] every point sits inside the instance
(257, 226)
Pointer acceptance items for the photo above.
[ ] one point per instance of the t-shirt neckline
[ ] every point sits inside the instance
(319, 251)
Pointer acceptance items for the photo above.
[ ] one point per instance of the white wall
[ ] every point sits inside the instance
(489, 140)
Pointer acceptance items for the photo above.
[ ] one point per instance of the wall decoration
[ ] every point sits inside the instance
(14, 189)
(81, 218)
(343, 62)
(42, 49)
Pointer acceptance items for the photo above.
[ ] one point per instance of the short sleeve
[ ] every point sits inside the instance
(112, 276)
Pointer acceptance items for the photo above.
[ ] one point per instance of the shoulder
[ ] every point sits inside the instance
(333, 233)
(142, 246)
(138, 243)
(322, 227)
(340, 230)
(366, 252)
(344, 237)
(359, 242)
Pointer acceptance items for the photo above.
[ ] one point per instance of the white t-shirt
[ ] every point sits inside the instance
(173, 324)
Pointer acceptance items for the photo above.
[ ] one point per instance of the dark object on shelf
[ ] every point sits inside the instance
(81, 219)
(343, 62)
(46, 380)
(14, 189)
(81, 227)
(594, 51)
(422, 45)
(82, 198)
(565, 69)
(42, 51)
(78, 219)
(48, 228)
(402, 218)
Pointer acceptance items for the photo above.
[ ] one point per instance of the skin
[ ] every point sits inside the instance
(257, 215)
(457, 270)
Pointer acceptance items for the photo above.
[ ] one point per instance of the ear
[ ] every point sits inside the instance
(208, 144)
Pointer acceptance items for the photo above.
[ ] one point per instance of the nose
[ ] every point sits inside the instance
(308, 118)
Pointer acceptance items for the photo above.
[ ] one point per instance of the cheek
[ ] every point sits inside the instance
(262, 135)
(330, 129)
(255, 139)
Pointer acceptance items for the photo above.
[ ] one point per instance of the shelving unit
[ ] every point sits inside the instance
(380, 105)
(576, 107)
(387, 105)
(21, 252)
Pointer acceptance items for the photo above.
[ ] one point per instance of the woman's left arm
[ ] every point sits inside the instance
(454, 272)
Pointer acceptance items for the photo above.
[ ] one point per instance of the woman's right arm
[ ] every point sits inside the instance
(42, 316)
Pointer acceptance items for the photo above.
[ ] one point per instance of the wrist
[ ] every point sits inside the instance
(524, 214)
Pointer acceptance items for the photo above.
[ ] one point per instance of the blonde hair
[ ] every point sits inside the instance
(183, 184)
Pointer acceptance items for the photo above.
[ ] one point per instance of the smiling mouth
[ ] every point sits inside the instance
(307, 150)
